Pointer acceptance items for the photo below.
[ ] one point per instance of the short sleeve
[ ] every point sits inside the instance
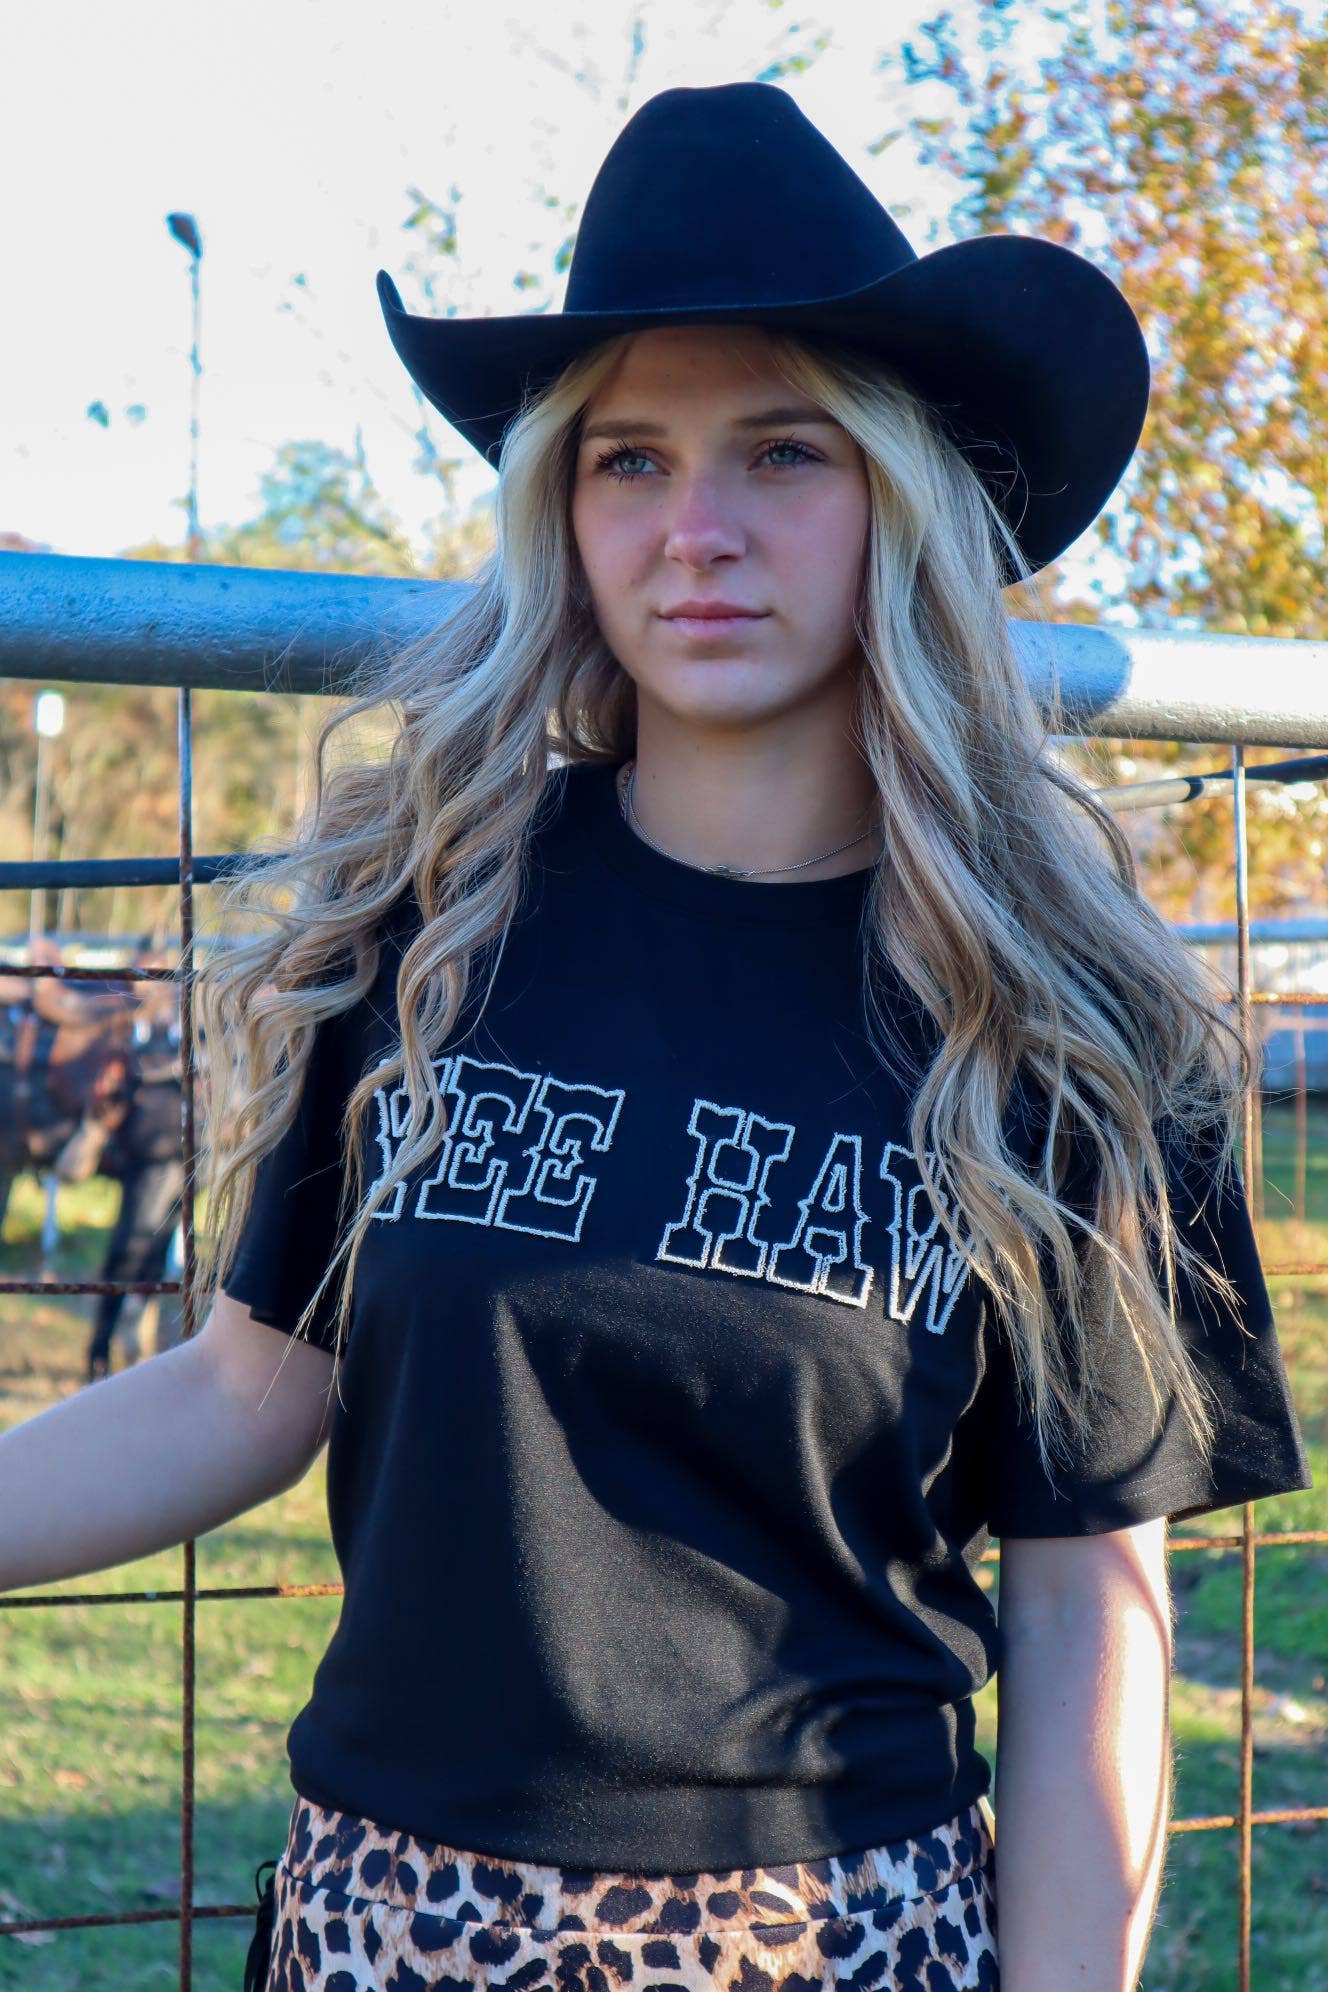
(1130, 1473)
(290, 1230)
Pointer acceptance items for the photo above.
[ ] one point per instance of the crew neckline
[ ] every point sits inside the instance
(817, 902)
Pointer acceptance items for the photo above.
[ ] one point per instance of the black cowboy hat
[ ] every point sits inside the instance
(726, 204)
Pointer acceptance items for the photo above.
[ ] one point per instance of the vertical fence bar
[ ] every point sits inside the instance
(1254, 1202)
(1302, 1121)
(184, 733)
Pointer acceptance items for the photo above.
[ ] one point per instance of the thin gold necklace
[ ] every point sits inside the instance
(718, 871)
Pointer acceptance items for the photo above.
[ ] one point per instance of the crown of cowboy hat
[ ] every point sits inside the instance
(726, 204)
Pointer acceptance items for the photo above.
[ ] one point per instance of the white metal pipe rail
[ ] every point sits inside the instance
(66, 618)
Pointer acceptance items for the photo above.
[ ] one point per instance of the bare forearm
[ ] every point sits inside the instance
(1083, 1796)
(139, 1462)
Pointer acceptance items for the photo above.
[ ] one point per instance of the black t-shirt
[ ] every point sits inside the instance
(674, 1428)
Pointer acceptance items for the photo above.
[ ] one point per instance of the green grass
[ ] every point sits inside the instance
(90, 1749)
(91, 1744)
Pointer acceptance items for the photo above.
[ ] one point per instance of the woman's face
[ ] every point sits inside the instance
(702, 476)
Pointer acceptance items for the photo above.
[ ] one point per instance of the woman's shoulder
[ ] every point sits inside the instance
(571, 787)
(570, 790)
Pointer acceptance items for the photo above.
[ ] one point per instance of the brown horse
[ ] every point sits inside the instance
(65, 1070)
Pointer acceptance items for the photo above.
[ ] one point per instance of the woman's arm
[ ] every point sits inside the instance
(1083, 1758)
(169, 1448)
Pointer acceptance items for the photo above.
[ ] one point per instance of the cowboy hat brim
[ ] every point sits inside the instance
(1029, 354)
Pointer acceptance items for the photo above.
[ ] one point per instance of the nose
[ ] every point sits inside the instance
(704, 525)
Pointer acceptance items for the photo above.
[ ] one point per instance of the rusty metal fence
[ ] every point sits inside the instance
(138, 622)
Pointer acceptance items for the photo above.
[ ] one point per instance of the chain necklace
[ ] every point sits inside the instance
(717, 871)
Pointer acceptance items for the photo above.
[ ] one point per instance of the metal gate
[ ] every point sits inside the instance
(148, 623)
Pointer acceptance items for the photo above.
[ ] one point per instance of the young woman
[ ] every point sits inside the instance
(715, 1106)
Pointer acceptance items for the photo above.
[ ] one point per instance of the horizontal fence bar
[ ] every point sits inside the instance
(1310, 927)
(1288, 1816)
(79, 619)
(10, 1602)
(1188, 788)
(28, 874)
(169, 623)
(205, 869)
(81, 972)
(38, 1284)
(1283, 1269)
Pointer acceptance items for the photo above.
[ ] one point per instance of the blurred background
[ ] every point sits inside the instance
(197, 369)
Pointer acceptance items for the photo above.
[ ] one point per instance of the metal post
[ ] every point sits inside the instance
(37, 901)
(1302, 1117)
(1245, 1802)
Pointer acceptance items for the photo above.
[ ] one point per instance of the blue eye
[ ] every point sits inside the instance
(609, 458)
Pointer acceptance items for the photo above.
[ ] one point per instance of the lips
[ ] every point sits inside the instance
(712, 627)
(709, 611)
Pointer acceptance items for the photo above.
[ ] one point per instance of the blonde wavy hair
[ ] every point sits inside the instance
(1005, 898)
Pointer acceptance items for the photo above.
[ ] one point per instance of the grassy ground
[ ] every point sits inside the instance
(90, 1745)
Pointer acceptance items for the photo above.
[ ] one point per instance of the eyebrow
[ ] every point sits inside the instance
(622, 424)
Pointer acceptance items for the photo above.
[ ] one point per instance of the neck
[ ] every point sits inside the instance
(732, 823)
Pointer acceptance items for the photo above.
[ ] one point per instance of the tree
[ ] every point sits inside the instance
(1186, 158)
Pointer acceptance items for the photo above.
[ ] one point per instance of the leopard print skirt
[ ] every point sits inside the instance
(358, 1906)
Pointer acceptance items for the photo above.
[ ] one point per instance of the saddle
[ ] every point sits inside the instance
(46, 1081)
(57, 1002)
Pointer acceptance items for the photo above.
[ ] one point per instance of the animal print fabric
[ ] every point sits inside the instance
(358, 1905)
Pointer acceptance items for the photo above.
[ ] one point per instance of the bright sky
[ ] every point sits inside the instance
(294, 132)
